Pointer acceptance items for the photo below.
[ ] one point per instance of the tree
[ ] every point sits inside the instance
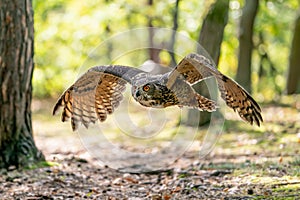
(293, 79)
(154, 49)
(173, 37)
(243, 75)
(17, 147)
(211, 36)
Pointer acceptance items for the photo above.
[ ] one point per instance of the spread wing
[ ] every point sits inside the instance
(194, 68)
(95, 94)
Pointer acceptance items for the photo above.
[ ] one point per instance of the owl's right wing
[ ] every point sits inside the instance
(95, 94)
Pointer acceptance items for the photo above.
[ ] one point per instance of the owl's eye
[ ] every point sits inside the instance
(146, 88)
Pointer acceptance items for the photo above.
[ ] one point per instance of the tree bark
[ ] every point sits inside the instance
(210, 37)
(154, 49)
(243, 75)
(173, 37)
(293, 78)
(17, 147)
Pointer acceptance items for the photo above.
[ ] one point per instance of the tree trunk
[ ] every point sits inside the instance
(154, 49)
(293, 79)
(246, 45)
(210, 38)
(173, 37)
(17, 147)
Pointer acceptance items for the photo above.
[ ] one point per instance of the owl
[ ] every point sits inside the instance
(98, 92)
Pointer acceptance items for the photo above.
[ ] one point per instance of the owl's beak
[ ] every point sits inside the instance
(137, 94)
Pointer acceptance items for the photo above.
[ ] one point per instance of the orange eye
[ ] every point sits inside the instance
(146, 88)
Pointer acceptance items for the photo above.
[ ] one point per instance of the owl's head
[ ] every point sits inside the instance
(149, 94)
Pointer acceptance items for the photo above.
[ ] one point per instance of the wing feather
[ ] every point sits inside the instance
(189, 72)
(95, 94)
(239, 100)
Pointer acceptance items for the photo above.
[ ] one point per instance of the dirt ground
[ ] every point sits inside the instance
(246, 163)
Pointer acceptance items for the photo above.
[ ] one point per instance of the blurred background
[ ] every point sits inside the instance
(67, 31)
(256, 42)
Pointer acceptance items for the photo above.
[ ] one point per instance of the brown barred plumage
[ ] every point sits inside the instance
(98, 92)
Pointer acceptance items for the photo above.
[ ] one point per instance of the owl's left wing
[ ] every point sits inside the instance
(194, 68)
(95, 94)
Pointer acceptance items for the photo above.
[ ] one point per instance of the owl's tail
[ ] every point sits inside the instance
(205, 103)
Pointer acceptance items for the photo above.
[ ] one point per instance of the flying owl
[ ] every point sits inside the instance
(98, 92)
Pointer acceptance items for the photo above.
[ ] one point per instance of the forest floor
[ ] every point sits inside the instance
(247, 163)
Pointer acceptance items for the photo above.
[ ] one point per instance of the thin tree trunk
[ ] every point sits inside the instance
(17, 147)
(153, 48)
(173, 37)
(210, 38)
(246, 45)
(293, 78)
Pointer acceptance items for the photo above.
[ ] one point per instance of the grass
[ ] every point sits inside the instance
(42, 164)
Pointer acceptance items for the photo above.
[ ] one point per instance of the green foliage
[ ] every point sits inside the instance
(273, 29)
(67, 31)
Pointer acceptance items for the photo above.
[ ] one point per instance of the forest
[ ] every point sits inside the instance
(55, 27)
(141, 153)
